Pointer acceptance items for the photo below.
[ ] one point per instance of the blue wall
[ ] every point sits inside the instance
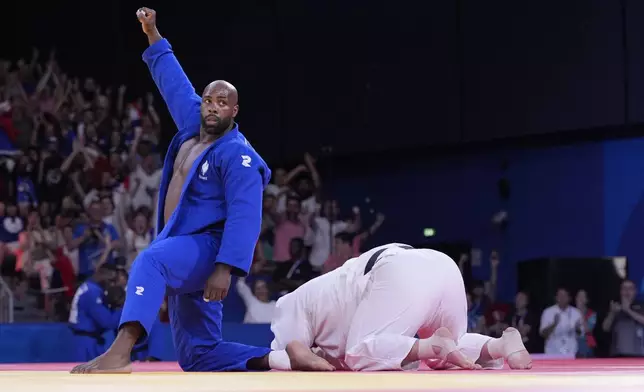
(39, 343)
(624, 203)
(567, 201)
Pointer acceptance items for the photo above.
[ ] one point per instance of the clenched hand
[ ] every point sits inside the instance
(148, 18)
(218, 283)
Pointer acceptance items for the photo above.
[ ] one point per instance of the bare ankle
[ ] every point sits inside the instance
(432, 347)
(132, 328)
(127, 337)
(412, 356)
(492, 349)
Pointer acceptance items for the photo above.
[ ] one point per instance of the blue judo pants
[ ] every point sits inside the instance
(181, 265)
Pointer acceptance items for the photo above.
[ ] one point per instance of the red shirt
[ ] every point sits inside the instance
(101, 165)
(64, 266)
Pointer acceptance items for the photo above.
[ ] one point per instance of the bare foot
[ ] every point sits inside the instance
(303, 359)
(514, 351)
(105, 364)
(445, 346)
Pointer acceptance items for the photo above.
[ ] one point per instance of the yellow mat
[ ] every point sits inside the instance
(390, 382)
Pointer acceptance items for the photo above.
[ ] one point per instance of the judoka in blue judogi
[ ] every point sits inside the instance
(209, 220)
(90, 317)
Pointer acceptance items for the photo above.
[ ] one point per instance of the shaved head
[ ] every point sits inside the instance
(218, 107)
(223, 88)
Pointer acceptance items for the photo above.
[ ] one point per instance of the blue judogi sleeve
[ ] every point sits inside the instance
(173, 83)
(242, 173)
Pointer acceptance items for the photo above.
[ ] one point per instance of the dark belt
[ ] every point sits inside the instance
(95, 335)
(375, 257)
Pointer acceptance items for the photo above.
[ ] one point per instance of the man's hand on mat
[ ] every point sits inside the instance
(218, 284)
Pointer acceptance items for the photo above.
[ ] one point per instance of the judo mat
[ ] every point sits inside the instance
(547, 375)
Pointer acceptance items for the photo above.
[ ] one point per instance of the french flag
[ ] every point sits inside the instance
(135, 114)
(8, 135)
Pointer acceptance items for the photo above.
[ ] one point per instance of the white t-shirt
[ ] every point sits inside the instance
(257, 312)
(272, 190)
(146, 181)
(320, 239)
(310, 205)
(280, 196)
(12, 225)
(563, 340)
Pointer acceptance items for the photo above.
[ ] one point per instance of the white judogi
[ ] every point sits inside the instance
(368, 321)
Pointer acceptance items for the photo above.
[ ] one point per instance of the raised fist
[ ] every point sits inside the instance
(148, 19)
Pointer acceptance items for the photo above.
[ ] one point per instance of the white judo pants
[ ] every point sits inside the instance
(410, 292)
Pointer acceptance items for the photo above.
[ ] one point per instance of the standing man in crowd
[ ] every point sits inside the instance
(625, 322)
(209, 220)
(561, 324)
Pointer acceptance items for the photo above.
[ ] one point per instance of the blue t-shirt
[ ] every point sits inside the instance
(26, 191)
(91, 250)
(67, 145)
(10, 228)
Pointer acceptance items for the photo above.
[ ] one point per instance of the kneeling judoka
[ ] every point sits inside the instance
(209, 219)
(364, 316)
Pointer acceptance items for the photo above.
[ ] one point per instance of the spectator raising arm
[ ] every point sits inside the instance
(356, 223)
(491, 286)
(107, 250)
(259, 308)
(309, 161)
(362, 237)
(246, 293)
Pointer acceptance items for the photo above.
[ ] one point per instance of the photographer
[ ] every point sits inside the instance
(90, 240)
(96, 308)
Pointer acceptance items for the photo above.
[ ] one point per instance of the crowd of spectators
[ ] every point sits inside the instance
(303, 236)
(80, 170)
(568, 328)
(79, 175)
